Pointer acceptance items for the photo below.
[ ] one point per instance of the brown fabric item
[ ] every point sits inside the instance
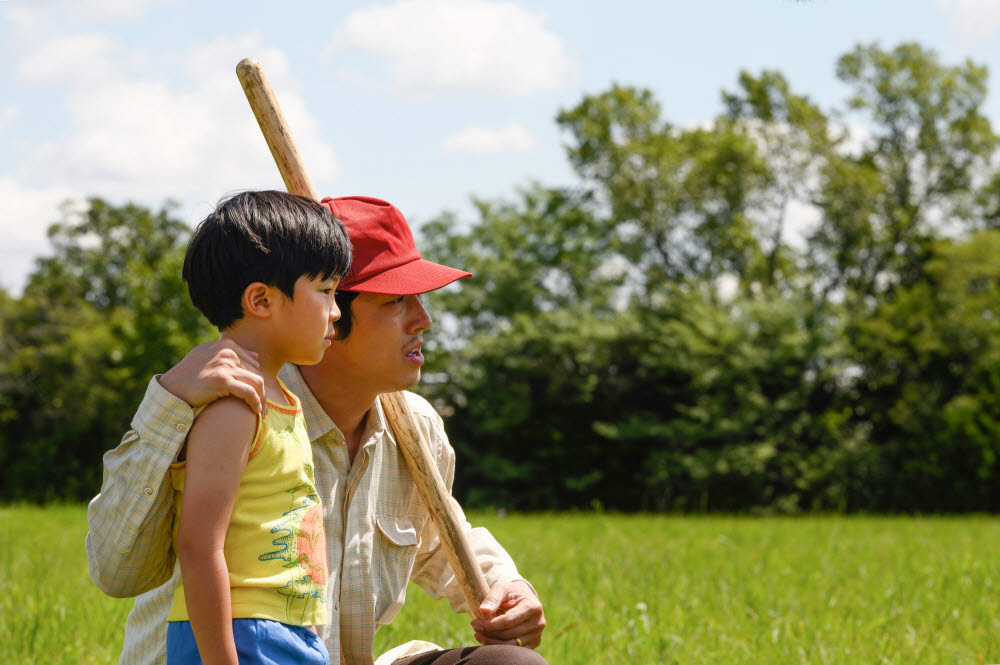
(491, 654)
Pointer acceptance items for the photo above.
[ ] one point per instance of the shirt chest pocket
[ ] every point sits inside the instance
(395, 551)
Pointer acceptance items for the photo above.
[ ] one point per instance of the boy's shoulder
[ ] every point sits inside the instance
(227, 410)
(225, 427)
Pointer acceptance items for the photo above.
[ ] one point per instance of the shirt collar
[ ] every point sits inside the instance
(377, 423)
(317, 422)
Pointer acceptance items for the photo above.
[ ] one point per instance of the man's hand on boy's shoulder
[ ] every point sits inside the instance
(216, 369)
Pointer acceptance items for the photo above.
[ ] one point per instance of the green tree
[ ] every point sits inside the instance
(600, 357)
(931, 383)
(796, 141)
(97, 318)
(679, 201)
(649, 338)
(929, 149)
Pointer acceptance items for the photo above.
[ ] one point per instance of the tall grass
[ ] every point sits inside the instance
(654, 589)
(50, 612)
(636, 589)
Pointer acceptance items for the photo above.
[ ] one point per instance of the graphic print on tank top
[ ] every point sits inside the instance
(301, 543)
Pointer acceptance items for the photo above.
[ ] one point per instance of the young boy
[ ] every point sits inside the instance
(263, 268)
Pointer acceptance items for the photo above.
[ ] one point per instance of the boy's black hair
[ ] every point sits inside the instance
(270, 237)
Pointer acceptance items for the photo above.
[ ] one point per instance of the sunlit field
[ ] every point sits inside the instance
(632, 589)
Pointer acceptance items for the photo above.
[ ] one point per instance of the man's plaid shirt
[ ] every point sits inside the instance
(377, 529)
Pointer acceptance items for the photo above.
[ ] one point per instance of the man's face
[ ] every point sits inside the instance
(382, 352)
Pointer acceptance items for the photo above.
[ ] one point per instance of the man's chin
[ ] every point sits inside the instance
(409, 382)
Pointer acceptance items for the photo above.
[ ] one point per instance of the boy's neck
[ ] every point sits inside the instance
(269, 365)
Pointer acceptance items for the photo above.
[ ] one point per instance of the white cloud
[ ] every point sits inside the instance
(57, 12)
(232, 50)
(972, 20)
(148, 139)
(26, 215)
(485, 140)
(135, 135)
(432, 47)
(7, 115)
(77, 59)
(220, 87)
(115, 9)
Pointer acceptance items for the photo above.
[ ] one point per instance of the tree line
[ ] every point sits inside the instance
(787, 309)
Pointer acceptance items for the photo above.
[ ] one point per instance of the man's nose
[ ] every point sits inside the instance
(420, 320)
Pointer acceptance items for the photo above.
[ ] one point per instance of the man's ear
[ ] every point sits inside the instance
(258, 299)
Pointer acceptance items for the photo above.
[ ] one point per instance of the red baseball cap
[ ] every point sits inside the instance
(386, 259)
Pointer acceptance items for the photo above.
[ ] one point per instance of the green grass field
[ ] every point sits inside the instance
(621, 589)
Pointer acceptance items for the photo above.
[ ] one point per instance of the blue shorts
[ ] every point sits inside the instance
(258, 642)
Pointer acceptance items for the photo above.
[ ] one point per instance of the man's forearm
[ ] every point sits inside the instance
(123, 521)
(433, 572)
(130, 521)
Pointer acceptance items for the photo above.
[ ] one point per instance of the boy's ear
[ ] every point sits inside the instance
(258, 300)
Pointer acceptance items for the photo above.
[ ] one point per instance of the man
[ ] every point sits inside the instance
(378, 534)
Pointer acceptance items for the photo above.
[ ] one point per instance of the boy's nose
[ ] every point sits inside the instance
(334, 312)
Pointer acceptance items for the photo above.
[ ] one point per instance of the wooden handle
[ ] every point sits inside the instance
(408, 437)
(275, 129)
(437, 499)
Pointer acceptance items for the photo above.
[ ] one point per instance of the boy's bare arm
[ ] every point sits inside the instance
(130, 522)
(217, 452)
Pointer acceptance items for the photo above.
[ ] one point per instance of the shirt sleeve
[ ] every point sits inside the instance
(431, 570)
(131, 521)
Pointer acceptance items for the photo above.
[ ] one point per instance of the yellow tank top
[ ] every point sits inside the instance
(275, 546)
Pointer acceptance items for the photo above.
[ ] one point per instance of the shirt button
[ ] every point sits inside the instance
(180, 427)
(148, 491)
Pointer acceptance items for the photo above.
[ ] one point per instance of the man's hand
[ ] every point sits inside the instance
(512, 615)
(216, 369)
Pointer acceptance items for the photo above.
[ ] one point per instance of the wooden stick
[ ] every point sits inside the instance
(410, 440)
(439, 502)
(275, 129)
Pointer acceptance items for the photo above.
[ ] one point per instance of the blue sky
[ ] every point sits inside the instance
(421, 102)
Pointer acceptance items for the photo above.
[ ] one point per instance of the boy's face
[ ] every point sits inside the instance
(304, 323)
(382, 353)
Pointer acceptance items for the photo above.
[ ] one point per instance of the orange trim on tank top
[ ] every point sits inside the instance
(256, 439)
(294, 408)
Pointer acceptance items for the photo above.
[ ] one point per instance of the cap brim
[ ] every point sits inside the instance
(409, 279)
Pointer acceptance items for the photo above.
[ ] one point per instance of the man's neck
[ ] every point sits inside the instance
(347, 407)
